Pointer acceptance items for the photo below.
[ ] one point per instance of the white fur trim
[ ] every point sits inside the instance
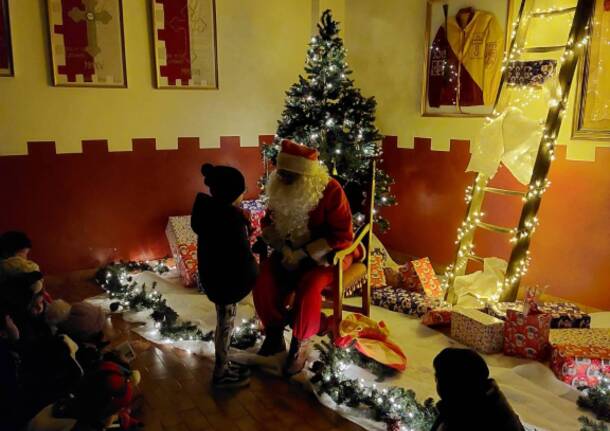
(299, 165)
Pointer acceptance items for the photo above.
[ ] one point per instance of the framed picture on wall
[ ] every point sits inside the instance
(87, 43)
(6, 53)
(464, 48)
(592, 107)
(184, 33)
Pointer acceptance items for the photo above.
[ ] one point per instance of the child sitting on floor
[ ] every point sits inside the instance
(48, 363)
(227, 269)
(470, 400)
(14, 252)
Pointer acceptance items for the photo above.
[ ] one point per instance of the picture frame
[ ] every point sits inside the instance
(7, 67)
(592, 104)
(87, 43)
(185, 44)
(446, 90)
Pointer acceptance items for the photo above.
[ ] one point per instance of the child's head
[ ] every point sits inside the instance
(14, 265)
(14, 243)
(226, 184)
(25, 291)
(460, 372)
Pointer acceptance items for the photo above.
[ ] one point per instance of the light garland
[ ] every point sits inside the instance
(117, 281)
(325, 111)
(597, 398)
(591, 425)
(559, 102)
(397, 407)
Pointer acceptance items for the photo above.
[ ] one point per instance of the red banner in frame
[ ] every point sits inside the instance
(185, 43)
(87, 43)
(6, 56)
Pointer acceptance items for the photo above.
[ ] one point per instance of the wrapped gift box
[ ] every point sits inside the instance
(478, 330)
(580, 357)
(437, 317)
(255, 210)
(527, 335)
(403, 301)
(563, 314)
(419, 276)
(566, 315)
(183, 245)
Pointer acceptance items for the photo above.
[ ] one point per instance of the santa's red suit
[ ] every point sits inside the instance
(329, 228)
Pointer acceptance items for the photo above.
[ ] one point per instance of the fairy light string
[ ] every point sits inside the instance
(126, 294)
(527, 96)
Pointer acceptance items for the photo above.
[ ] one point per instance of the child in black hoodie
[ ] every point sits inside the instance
(470, 400)
(227, 268)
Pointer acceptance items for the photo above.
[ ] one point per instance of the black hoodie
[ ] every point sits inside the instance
(227, 268)
(477, 412)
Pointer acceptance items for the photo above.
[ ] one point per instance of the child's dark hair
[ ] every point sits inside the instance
(13, 241)
(460, 371)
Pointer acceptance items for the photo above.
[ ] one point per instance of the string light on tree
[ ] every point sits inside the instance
(325, 111)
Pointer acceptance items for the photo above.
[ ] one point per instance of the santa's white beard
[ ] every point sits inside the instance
(290, 204)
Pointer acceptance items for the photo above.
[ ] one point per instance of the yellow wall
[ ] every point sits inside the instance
(386, 51)
(261, 51)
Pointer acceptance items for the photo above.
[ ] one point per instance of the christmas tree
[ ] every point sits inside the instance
(325, 111)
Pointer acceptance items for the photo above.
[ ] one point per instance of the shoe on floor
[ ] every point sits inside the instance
(230, 379)
(274, 342)
(241, 369)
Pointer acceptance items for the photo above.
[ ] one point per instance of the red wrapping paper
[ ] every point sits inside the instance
(580, 357)
(527, 335)
(418, 276)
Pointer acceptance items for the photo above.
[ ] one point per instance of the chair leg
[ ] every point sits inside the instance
(338, 301)
(366, 298)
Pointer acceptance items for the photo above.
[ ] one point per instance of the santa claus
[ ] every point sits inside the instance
(308, 219)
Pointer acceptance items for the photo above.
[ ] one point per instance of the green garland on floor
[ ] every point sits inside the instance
(592, 425)
(393, 405)
(117, 280)
(597, 399)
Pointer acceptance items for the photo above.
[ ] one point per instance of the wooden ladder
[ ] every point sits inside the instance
(521, 236)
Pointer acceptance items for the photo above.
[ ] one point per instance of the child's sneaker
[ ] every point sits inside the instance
(241, 369)
(230, 379)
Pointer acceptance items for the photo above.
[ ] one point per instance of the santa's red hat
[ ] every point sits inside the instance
(297, 158)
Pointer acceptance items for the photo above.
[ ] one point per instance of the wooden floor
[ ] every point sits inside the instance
(177, 393)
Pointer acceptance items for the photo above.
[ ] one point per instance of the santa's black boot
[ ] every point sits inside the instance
(274, 342)
(297, 356)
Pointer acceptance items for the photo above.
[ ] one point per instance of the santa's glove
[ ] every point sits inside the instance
(319, 251)
(292, 258)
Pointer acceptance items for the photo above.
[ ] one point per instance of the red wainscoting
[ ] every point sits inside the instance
(85, 209)
(82, 210)
(570, 249)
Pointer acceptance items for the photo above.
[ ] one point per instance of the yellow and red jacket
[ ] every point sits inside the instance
(466, 61)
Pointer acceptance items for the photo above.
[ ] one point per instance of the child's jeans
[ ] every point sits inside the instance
(225, 320)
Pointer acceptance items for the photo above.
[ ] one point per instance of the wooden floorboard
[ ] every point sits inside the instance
(176, 386)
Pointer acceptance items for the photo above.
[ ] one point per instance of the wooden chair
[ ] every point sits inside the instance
(358, 275)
